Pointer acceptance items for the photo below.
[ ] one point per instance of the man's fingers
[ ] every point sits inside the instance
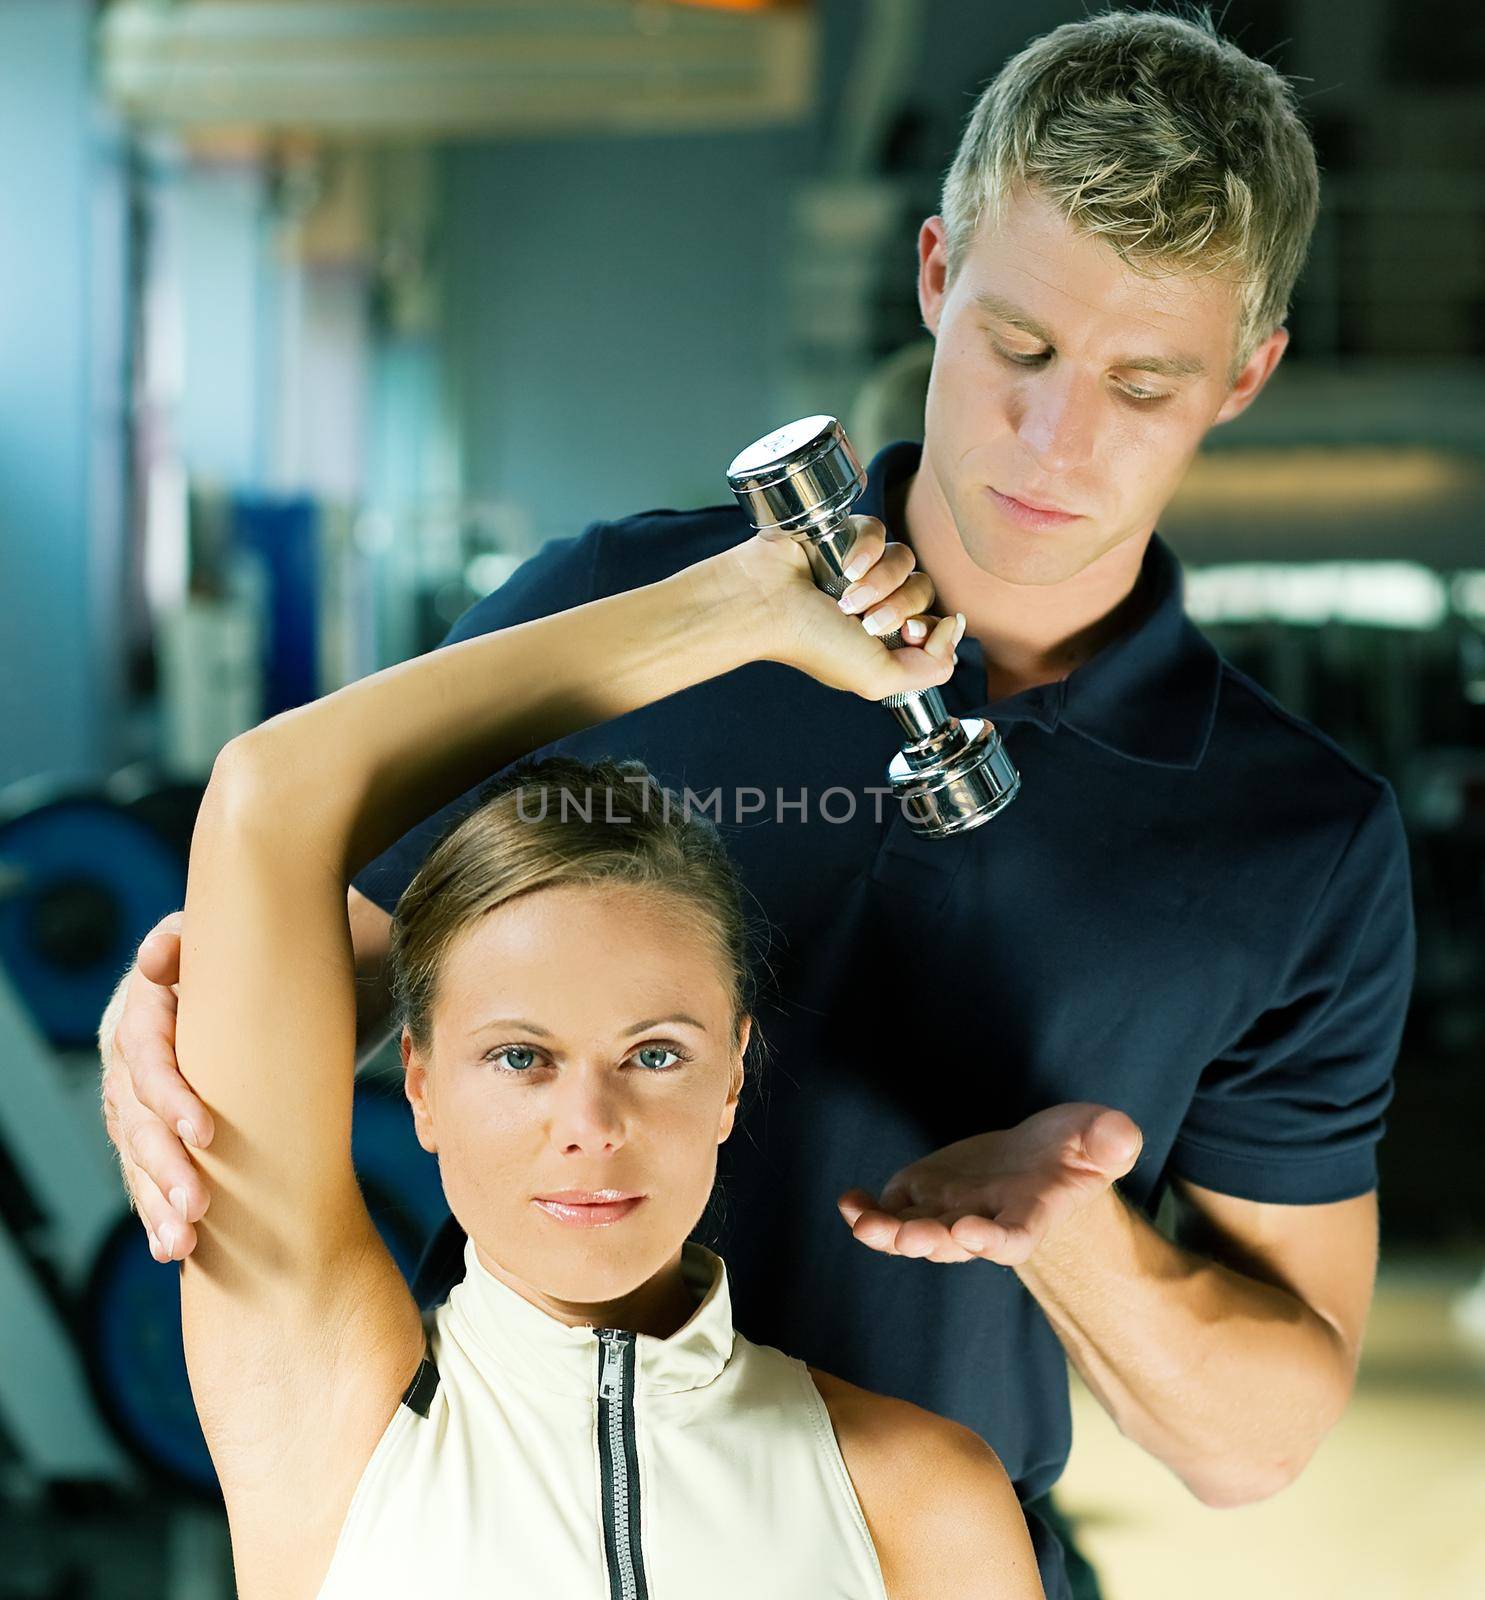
(918, 1235)
(1013, 1234)
(146, 1041)
(926, 1236)
(921, 1238)
(159, 955)
(1112, 1142)
(871, 1226)
(156, 1152)
(172, 1238)
(990, 1240)
(853, 1202)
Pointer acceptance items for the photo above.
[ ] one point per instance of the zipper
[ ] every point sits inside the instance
(618, 1462)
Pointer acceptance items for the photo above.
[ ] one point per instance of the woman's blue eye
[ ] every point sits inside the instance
(655, 1050)
(521, 1058)
(503, 1056)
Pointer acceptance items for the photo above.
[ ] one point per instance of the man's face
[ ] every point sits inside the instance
(582, 1041)
(1063, 378)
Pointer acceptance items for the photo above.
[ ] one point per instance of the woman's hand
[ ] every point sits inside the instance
(838, 643)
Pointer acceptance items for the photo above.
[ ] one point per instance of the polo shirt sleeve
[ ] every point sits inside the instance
(562, 574)
(1293, 1112)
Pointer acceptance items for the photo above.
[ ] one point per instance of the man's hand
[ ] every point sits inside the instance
(147, 1105)
(997, 1196)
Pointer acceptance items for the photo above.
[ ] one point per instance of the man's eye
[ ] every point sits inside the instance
(1024, 360)
(1142, 396)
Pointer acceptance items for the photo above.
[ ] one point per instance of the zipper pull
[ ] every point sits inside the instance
(611, 1374)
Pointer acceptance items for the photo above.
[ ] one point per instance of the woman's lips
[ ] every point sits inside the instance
(1029, 516)
(591, 1214)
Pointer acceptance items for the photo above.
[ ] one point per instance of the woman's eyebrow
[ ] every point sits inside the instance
(654, 1022)
(546, 1033)
(512, 1022)
(1177, 366)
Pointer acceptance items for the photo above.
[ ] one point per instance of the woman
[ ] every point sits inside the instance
(579, 1418)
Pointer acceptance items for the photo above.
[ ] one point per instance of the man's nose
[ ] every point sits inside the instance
(1054, 416)
(588, 1115)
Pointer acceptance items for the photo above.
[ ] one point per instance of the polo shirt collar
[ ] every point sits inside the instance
(1150, 695)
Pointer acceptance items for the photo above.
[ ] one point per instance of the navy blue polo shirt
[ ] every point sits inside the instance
(1197, 910)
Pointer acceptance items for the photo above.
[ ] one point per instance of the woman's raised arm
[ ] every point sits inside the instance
(293, 1311)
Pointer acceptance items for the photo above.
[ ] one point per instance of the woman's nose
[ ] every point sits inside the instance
(588, 1113)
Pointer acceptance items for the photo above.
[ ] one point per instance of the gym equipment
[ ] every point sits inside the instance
(168, 806)
(799, 483)
(93, 1384)
(80, 882)
(83, 882)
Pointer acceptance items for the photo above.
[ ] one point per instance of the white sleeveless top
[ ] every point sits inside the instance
(530, 1460)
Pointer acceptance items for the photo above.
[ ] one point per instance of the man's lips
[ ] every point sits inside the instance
(1031, 515)
(1035, 505)
(588, 1208)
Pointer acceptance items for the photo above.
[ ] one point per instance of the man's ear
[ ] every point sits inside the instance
(415, 1087)
(1253, 376)
(933, 271)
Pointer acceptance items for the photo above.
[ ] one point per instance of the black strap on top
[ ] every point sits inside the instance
(419, 1393)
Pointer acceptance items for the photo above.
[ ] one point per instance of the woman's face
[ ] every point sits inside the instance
(582, 1044)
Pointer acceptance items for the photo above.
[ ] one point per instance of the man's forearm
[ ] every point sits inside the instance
(1232, 1383)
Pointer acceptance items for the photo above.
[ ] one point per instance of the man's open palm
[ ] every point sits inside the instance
(997, 1196)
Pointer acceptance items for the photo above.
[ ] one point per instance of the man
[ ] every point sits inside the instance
(1179, 962)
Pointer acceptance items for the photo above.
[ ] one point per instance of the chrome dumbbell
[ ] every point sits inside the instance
(799, 483)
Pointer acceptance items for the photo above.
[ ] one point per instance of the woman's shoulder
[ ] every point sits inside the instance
(942, 1513)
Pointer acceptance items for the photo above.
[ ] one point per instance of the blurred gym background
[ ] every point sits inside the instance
(318, 316)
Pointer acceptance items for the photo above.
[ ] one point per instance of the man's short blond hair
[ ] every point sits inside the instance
(1151, 131)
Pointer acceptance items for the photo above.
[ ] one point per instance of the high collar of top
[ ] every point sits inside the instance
(526, 1343)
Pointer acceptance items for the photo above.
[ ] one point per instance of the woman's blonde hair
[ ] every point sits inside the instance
(562, 821)
(1151, 131)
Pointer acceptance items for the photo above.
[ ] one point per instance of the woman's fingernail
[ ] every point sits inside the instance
(149, 1234)
(853, 602)
(877, 625)
(178, 1200)
(168, 1236)
(913, 629)
(858, 568)
(958, 628)
(188, 1133)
